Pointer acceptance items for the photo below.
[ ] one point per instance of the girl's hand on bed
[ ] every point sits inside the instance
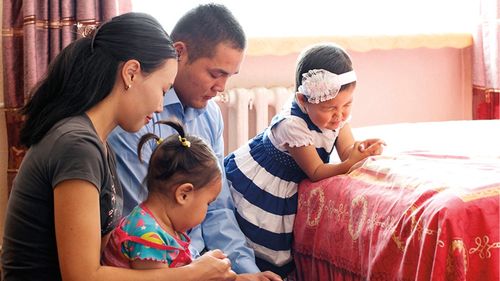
(371, 147)
(363, 149)
(356, 154)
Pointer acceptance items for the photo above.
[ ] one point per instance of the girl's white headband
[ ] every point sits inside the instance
(320, 85)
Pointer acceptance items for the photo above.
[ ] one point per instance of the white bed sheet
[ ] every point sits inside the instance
(467, 138)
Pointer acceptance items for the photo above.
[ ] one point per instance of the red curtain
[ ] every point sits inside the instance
(486, 66)
(33, 34)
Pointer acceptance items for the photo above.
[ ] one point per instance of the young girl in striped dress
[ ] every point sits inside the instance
(264, 173)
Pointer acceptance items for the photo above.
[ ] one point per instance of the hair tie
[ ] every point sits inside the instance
(159, 141)
(184, 142)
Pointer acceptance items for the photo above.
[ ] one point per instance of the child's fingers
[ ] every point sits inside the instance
(217, 254)
(376, 148)
(369, 144)
(361, 147)
(374, 141)
(227, 261)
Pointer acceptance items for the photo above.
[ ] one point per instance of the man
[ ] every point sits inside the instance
(210, 44)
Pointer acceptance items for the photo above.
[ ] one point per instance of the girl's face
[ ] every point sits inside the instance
(329, 114)
(145, 96)
(196, 209)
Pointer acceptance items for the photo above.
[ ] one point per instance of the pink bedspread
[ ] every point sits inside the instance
(413, 216)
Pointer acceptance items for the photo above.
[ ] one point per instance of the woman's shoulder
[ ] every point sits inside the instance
(73, 136)
(79, 124)
(75, 129)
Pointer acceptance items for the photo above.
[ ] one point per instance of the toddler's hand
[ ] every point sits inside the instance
(362, 150)
(356, 154)
(216, 254)
(260, 276)
(371, 146)
(215, 266)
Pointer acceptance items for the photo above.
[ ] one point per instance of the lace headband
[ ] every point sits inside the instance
(320, 85)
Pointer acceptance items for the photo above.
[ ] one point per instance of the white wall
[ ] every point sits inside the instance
(401, 85)
(430, 82)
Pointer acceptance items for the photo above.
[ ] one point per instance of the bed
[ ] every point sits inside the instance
(426, 209)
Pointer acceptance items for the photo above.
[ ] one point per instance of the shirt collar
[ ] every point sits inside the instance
(172, 102)
(171, 98)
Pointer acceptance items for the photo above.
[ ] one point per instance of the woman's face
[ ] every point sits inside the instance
(145, 96)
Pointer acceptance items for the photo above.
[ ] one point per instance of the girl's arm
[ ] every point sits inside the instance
(78, 237)
(345, 144)
(309, 161)
(350, 152)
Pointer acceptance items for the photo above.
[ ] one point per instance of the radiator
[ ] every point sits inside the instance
(248, 111)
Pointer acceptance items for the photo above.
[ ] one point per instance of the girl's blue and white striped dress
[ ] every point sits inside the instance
(264, 179)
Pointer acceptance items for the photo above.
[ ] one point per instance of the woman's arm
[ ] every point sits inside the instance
(147, 264)
(78, 237)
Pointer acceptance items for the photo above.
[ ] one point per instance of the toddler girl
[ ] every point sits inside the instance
(265, 173)
(183, 178)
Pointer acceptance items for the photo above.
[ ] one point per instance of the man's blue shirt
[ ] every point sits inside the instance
(220, 229)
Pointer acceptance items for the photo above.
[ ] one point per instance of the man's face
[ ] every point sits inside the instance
(200, 80)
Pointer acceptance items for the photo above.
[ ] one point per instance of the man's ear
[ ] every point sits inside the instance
(184, 193)
(181, 49)
(130, 70)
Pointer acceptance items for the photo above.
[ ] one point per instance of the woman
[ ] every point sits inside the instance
(66, 199)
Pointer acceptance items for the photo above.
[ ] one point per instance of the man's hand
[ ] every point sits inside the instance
(261, 276)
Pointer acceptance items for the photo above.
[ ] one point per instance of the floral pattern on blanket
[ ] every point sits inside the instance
(408, 216)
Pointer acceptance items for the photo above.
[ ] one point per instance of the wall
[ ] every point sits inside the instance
(397, 85)
(409, 82)
(399, 81)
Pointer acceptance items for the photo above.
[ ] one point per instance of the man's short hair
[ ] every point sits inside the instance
(204, 27)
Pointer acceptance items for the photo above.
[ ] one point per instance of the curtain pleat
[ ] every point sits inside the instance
(486, 64)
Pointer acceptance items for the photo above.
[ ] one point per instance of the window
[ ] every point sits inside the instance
(273, 18)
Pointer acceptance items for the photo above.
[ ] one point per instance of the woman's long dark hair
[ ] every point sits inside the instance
(179, 159)
(85, 71)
